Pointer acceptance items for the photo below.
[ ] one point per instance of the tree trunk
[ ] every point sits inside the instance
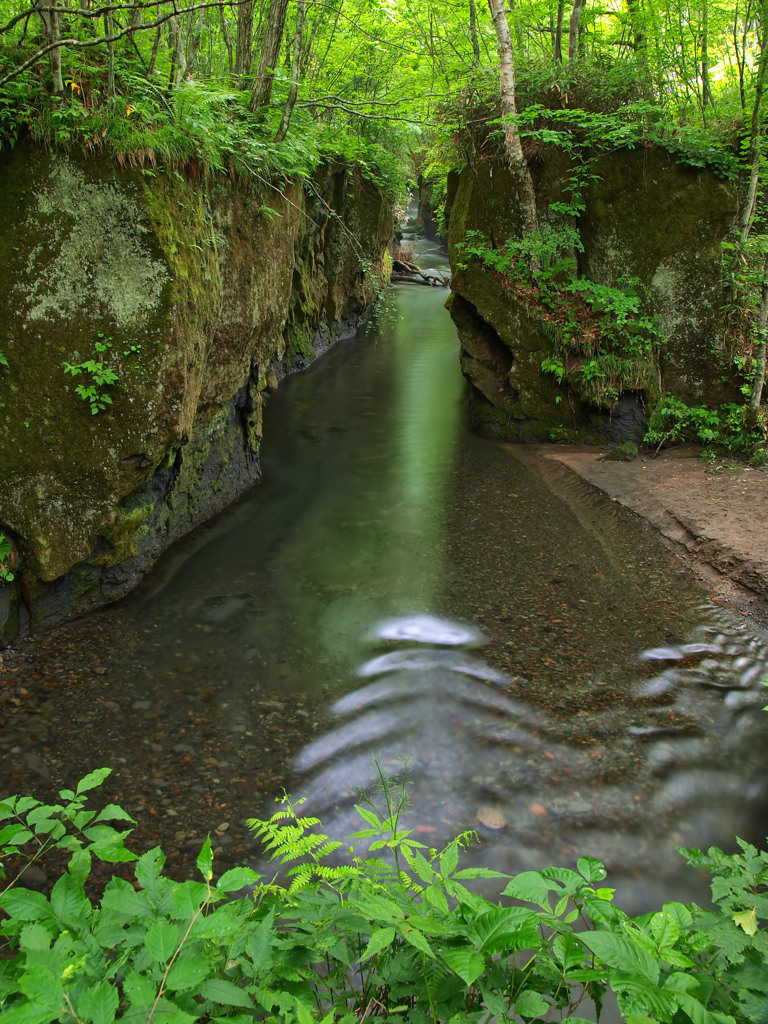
(227, 42)
(50, 20)
(706, 86)
(244, 44)
(473, 34)
(193, 36)
(573, 32)
(155, 48)
(301, 9)
(178, 63)
(270, 54)
(558, 44)
(109, 32)
(135, 19)
(755, 137)
(512, 144)
(758, 380)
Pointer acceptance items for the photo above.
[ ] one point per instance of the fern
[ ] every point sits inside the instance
(288, 838)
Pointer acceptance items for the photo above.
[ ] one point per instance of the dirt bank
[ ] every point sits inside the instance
(713, 515)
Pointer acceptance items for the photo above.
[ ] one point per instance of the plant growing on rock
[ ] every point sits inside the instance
(6, 551)
(101, 375)
(604, 340)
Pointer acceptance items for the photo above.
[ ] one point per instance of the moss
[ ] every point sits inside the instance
(124, 537)
(202, 288)
(646, 218)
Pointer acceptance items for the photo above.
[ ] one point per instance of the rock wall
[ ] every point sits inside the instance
(645, 216)
(199, 294)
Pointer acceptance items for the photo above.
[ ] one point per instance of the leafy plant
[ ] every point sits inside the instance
(604, 340)
(730, 426)
(101, 374)
(393, 932)
(6, 549)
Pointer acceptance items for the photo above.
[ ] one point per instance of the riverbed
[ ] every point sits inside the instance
(399, 587)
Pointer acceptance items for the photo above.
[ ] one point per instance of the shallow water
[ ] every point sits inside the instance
(593, 699)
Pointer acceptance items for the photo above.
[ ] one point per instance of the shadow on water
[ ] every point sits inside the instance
(335, 613)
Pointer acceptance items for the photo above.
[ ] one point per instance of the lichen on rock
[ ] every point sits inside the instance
(185, 288)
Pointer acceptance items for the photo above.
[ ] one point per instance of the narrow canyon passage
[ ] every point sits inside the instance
(399, 587)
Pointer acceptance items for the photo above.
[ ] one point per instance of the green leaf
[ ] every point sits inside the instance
(79, 866)
(415, 938)
(664, 929)
(30, 1014)
(98, 1003)
(120, 897)
(41, 986)
(15, 834)
(591, 869)
(205, 860)
(380, 939)
(187, 972)
(567, 951)
(507, 929)
(530, 886)
(531, 1004)
(617, 951)
(370, 816)
(377, 908)
(675, 957)
(26, 905)
(219, 990)
(162, 941)
(114, 812)
(422, 867)
(449, 859)
(34, 938)
(430, 925)
(479, 873)
(68, 901)
(149, 866)
(141, 990)
(464, 961)
(435, 897)
(92, 780)
(237, 878)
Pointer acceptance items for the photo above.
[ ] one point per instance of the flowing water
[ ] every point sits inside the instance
(397, 586)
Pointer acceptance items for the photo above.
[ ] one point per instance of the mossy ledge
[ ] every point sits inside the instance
(646, 217)
(200, 294)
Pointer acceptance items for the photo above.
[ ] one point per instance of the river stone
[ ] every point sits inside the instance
(492, 818)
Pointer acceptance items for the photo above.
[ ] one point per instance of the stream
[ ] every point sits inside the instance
(399, 587)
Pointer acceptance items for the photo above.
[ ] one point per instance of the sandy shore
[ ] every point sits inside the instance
(714, 516)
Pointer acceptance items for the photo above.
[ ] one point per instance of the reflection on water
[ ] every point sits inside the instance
(357, 583)
(479, 759)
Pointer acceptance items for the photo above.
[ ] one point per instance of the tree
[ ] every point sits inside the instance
(270, 53)
(512, 143)
(293, 92)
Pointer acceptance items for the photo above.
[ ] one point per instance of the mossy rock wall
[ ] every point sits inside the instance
(646, 217)
(196, 289)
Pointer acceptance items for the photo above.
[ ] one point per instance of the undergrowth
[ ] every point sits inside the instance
(603, 339)
(390, 931)
(731, 427)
